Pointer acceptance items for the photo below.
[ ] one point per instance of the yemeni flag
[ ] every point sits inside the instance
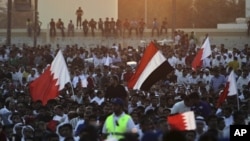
(229, 90)
(152, 67)
(182, 121)
(51, 81)
(204, 52)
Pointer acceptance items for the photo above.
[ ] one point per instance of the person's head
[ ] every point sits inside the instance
(146, 124)
(239, 118)
(28, 131)
(52, 137)
(155, 101)
(216, 72)
(58, 110)
(200, 123)
(191, 99)
(190, 135)
(162, 124)
(88, 112)
(212, 122)
(135, 116)
(16, 118)
(118, 105)
(66, 130)
(99, 93)
(208, 136)
(227, 111)
(221, 123)
(134, 99)
(114, 80)
(245, 73)
(174, 135)
(195, 97)
(88, 133)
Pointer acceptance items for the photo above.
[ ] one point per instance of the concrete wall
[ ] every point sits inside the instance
(65, 9)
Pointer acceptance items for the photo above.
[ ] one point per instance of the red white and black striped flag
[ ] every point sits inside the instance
(152, 67)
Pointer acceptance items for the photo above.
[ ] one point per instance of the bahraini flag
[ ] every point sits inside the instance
(230, 89)
(204, 52)
(182, 121)
(51, 81)
(152, 67)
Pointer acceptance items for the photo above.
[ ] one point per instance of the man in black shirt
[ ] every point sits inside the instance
(115, 90)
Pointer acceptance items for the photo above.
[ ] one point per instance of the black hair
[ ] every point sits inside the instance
(66, 125)
(173, 135)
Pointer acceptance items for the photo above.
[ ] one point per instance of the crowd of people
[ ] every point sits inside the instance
(98, 105)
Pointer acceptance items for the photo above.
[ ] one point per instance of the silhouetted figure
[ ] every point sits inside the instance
(79, 13)
(85, 27)
(29, 27)
(60, 25)
(52, 28)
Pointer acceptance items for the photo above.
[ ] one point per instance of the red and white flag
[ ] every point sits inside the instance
(229, 90)
(182, 121)
(51, 81)
(204, 52)
(152, 67)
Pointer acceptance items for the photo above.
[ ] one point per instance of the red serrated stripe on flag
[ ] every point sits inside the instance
(177, 122)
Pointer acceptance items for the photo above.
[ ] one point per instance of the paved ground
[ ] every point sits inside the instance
(231, 38)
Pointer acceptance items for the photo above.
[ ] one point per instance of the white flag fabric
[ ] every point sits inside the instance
(51, 81)
(230, 89)
(204, 52)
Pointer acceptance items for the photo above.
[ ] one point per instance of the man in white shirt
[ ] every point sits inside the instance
(184, 78)
(99, 98)
(242, 81)
(186, 104)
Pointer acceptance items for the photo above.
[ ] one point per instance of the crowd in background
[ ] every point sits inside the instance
(107, 26)
(95, 74)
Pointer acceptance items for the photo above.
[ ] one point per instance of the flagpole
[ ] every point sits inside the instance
(238, 102)
(237, 97)
(73, 92)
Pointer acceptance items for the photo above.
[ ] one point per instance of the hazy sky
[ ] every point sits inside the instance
(65, 9)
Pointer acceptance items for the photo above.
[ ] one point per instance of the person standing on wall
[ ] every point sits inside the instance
(79, 13)
(155, 26)
(29, 25)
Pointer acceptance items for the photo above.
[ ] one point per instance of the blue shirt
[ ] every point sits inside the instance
(217, 82)
(202, 108)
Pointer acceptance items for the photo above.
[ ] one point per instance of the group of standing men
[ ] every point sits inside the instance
(108, 27)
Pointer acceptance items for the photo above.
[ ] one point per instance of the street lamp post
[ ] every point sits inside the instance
(35, 23)
(173, 17)
(9, 23)
(146, 11)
